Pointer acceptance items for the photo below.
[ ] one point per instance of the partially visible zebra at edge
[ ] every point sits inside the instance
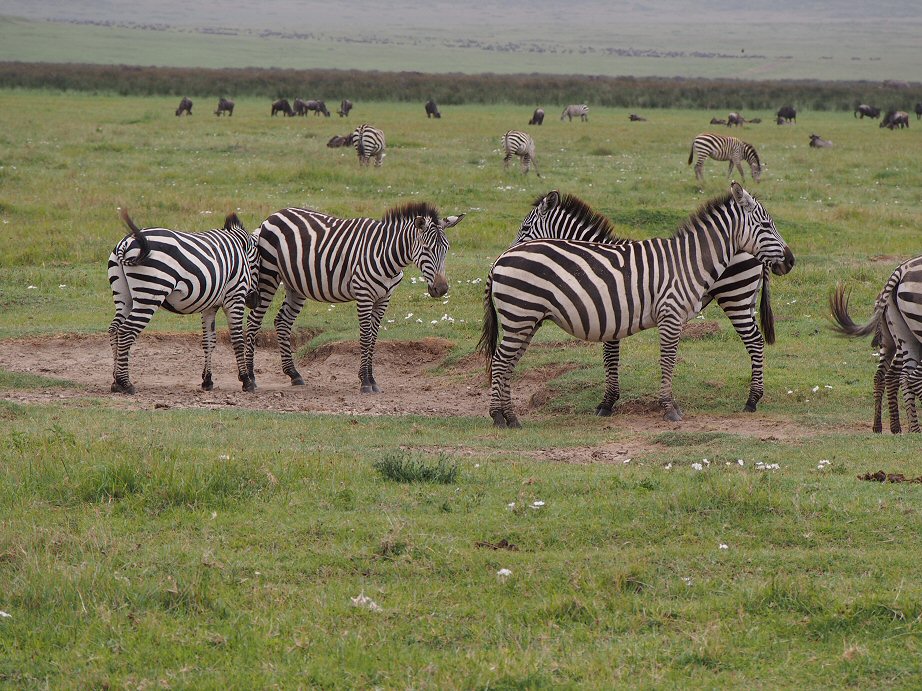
(185, 273)
(321, 257)
(724, 148)
(518, 143)
(369, 141)
(575, 111)
(568, 217)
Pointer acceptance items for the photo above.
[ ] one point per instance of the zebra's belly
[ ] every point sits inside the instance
(597, 326)
(186, 301)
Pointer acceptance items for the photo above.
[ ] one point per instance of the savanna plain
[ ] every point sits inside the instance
(212, 540)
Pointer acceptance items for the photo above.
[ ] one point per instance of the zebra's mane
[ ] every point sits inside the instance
(411, 210)
(703, 211)
(585, 215)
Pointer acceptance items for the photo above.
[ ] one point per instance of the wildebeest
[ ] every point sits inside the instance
(918, 111)
(344, 108)
(817, 142)
(225, 106)
(338, 140)
(895, 119)
(718, 121)
(633, 117)
(316, 107)
(537, 118)
(432, 110)
(786, 114)
(864, 110)
(755, 121)
(282, 106)
(580, 111)
(185, 106)
(735, 119)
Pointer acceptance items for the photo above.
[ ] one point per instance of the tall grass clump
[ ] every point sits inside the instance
(405, 467)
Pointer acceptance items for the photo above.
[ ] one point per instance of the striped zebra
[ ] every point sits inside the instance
(517, 143)
(897, 327)
(600, 292)
(321, 257)
(185, 273)
(368, 142)
(723, 148)
(575, 111)
(568, 217)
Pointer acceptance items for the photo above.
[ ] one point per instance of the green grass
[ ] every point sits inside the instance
(222, 548)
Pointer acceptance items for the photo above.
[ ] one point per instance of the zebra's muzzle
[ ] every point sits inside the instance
(439, 286)
(783, 266)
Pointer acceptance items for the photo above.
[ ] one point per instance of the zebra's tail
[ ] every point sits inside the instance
(838, 305)
(143, 244)
(360, 145)
(691, 155)
(490, 334)
(766, 316)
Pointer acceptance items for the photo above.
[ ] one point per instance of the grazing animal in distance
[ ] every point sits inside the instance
(866, 111)
(321, 257)
(185, 106)
(537, 118)
(817, 142)
(225, 106)
(432, 110)
(718, 121)
(337, 141)
(344, 107)
(918, 111)
(282, 106)
(518, 143)
(317, 107)
(895, 119)
(897, 325)
(786, 114)
(566, 217)
(735, 120)
(300, 107)
(601, 292)
(580, 111)
(369, 141)
(185, 273)
(636, 118)
(723, 148)
(755, 121)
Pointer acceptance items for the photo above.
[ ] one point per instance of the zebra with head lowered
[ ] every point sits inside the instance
(568, 217)
(722, 148)
(601, 292)
(575, 111)
(185, 273)
(897, 327)
(322, 257)
(517, 143)
(369, 141)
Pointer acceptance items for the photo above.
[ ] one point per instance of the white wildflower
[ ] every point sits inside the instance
(697, 466)
(537, 504)
(815, 389)
(364, 601)
(723, 546)
(31, 287)
(503, 574)
(510, 505)
(5, 615)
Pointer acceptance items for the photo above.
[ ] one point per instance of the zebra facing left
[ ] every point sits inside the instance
(321, 257)
(600, 292)
(369, 142)
(185, 273)
(517, 143)
(722, 148)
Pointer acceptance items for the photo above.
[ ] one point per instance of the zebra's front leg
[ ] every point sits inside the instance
(912, 386)
(669, 330)
(370, 314)
(611, 357)
(209, 337)
(892, 385)
(699, 171)
(284, 321)
(879, 379)
(730, 171)
(234, 311)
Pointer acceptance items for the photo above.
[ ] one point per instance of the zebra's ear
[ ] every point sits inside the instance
(451, 221)
(742, 197)
(549, 203)
(419, 222)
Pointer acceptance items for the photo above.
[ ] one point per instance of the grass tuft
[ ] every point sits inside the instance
(405, 467)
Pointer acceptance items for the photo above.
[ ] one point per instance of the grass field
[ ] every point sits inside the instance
(224, 548)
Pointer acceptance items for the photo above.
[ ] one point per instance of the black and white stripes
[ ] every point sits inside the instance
(369, 142)
(518, 143)
(723, 148)
(580, 111)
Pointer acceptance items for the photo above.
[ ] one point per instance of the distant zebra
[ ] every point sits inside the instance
(897, 325)
(567, 217)
(369, 141)
(575, 111)
(600, 292)
(517, 143)
(537, 118)
(185, 273)
(321, 257)
(722, 148)
(225, 106)
(344, 107)
(185, 106)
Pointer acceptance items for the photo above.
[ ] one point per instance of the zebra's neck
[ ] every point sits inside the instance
(707, 242)
(392, 244)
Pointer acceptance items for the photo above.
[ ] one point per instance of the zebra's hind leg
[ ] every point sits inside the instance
(284, 321)
(509, 352)
(912, 380)
(611, 357)
(268, 285)
(892, 385)
(879, 379)
(506, 160)
(234, 311)
(209, 337)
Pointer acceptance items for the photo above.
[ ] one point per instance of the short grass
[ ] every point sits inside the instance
(222, 548)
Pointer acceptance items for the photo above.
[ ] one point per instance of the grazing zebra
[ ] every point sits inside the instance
(321, 257)
(600, 292)
(185, 106)
(185, 273)
(225, 106)
(569, 218)
(897, 325)
(575, 111)
(537, 118)
(517, 143)
(344, 107)
(722, 148)
(368, 142)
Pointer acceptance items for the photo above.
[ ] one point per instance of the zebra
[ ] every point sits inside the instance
(568, 217)
(368, 142)
(185, 106)
(185, 273)
(321, 257)
(897, 325)
(723, 148)
(575, 111)
(600, 292)
(517, 143)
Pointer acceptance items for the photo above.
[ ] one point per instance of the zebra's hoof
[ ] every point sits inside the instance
(249, 384)
(512, 422)
(603, 410)
(673, 415)
(499, 420)
(749, 408)
(207, 385)
(877, 429)
(122, 388)
(297, 381)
